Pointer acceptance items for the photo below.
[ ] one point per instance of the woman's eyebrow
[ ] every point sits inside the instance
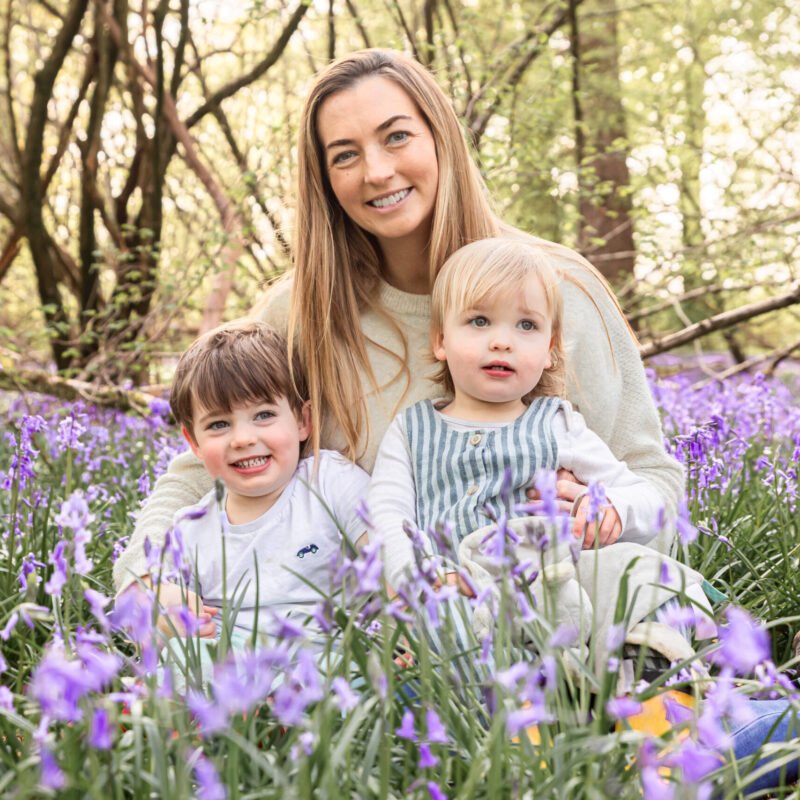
(382, 127)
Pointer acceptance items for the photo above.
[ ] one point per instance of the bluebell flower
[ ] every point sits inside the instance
(434, 730)
(209, 786)
(744, 643)
(51, 776)
(101, 734)
(426, 758)
(623, 707)
(407, 729)
(435, 792)
(345, 698)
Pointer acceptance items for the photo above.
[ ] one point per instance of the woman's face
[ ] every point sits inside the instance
(380, 158)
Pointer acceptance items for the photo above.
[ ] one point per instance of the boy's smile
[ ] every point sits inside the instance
(496, 352)
(254, 450)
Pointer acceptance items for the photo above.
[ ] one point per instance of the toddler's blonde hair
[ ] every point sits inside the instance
(484, 269)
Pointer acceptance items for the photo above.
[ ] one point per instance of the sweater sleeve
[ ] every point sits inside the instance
(183, 484)
(606, 382)
(582, 451)
(393, 501)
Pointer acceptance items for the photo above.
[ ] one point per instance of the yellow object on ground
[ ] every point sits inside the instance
(652, 719)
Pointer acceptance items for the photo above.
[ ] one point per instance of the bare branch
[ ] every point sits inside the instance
(10, 251)
(774, 357)
(394, 6)
(359, 24)
(478, 124)
(719, 322)
(11, 117)
(693, 294)
(28, 380)
(260, 69)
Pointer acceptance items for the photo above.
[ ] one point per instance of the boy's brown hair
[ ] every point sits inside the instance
(242, 362)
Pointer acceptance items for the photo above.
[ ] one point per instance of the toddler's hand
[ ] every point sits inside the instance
(610, 525)
(172, 599)
(457, 580)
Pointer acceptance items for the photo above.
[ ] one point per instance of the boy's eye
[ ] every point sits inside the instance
(263, 415)
(527, 325)
(479, 322)
(217, 425)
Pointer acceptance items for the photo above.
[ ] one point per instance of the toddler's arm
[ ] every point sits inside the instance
(393, 501)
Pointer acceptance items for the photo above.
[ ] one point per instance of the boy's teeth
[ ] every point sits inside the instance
(258, 461)
(390, 200)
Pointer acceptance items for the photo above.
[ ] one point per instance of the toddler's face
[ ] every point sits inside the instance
(496, 351)
(254, 449)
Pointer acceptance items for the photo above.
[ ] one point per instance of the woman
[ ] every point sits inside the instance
(387, 190)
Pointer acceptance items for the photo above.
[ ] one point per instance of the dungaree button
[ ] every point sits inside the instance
(475, 439)
(472, 489)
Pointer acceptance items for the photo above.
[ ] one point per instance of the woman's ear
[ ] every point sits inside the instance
(304, 421)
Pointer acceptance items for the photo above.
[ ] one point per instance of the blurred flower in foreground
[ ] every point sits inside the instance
(744, 642)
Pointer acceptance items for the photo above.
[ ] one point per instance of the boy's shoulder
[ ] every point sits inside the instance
(201, 510)
(331, 464)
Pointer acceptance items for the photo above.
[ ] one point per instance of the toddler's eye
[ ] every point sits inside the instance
(527, 325)
(479, 322)
(264, 415)
(217, 425)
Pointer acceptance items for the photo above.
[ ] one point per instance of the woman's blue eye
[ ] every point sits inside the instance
(341, 158)
(479, 322)
(527, 325)
(397, 136)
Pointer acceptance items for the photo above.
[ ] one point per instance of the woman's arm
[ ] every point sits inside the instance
(184, 484)
(606, 382)
(636, 501)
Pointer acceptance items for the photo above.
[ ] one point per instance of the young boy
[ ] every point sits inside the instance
(243, 408)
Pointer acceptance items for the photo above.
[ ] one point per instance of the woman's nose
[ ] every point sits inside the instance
(378, 166)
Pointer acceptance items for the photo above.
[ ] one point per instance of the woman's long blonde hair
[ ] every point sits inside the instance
(338, 265)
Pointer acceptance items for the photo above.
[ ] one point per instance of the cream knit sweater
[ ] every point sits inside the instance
(606, 383)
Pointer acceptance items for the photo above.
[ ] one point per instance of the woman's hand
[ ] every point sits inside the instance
(607, 527)
(568, 487)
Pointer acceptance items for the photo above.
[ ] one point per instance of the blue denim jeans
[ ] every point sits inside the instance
(774, 721)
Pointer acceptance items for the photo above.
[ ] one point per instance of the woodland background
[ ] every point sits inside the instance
(147, 161)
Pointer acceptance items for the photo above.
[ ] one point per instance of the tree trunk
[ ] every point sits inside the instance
(606, 227)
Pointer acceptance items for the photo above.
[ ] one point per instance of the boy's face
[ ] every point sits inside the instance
(496, 352)
(254, 450)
